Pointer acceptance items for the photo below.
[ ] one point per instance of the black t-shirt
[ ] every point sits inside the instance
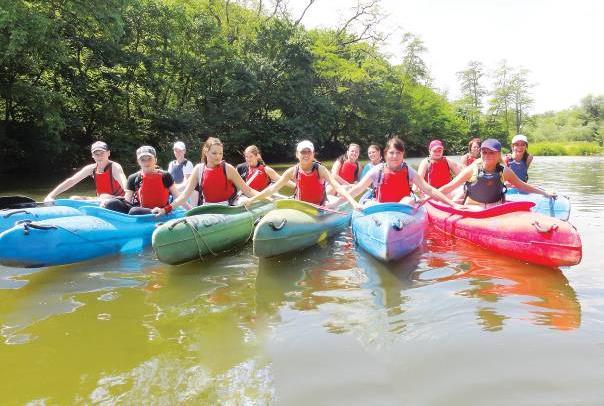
(166, 178)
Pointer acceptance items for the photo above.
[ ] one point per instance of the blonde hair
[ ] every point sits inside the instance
(252, 149)
(210, 142)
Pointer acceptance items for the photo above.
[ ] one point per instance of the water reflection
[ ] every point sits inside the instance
(507, 289)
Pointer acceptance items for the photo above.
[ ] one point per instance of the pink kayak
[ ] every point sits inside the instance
(512, 229)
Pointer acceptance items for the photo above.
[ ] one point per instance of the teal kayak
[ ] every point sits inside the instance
(94, 233)
(295, 225)
(558, 208)
(59, 208)
(389, 231)
(206, 230)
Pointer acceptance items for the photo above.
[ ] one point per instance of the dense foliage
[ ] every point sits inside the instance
(148, 71)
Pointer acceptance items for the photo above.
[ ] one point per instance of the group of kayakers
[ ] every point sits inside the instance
(483, 171)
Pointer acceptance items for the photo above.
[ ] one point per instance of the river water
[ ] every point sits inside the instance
(451, 324)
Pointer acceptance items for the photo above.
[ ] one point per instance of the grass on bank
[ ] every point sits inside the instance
(565, 148)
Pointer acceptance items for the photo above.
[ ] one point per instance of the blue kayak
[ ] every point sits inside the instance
(60, 208)
(558, 208)
(94, 233)
(389, 231)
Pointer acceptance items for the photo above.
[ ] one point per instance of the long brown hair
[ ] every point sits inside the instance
(210, 142)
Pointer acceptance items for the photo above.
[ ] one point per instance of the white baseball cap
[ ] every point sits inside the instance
(519, 137)
(179, 145)
(302, 145)
(145, 150)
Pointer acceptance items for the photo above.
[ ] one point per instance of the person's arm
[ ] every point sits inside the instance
(119, 175)
(464, 160)
(421, 171)
(455, 167)
(274, 188)
(238, 181)
(325, 174)
(356, 190)
(462, 177)
(529, 159)
(182, 197)
(70, 182)
(274, 177)
(434, 192)
(515, 181)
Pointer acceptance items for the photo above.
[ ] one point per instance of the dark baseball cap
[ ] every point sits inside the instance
(492, 144)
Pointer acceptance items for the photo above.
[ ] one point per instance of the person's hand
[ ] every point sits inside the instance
(550, 193)
(248, 203)
(49, 199)
(357, 206)
(158, 211)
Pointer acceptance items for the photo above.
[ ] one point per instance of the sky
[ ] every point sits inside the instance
(559, 42)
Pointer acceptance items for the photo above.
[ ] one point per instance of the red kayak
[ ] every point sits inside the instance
(512, 229)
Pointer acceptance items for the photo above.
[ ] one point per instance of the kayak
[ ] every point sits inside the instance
(512, 229)
(295, 225)
(94, 233)
(206, 230)
(558, 207)
(389, 231)
(60, 208)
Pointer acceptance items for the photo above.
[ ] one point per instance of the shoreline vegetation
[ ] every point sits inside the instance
(136, 72)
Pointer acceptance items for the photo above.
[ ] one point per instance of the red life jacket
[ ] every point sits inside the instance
(349, 171)
(470, 159)
(392, 186)
(260, 179)
(310, 187)
(438, 173)
(105, 183)
(214, 185)
(150, 190)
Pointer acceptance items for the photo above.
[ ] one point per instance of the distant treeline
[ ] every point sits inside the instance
(134, 72)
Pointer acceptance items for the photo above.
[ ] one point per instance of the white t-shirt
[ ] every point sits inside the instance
(187, 170)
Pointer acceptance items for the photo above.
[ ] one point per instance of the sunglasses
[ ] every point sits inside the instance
(487, 151)
(145, 158)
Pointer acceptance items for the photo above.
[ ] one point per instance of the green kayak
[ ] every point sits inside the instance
(206, 230)
(294, 225)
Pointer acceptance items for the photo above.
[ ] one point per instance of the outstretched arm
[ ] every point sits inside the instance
(238, 181)
(71, 182)
(463, 177)
(324, 174)
(514, 180)
(274, 188)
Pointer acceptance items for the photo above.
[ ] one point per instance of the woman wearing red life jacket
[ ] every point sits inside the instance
(216, 180)
(473, 152)
(147, 189)
(485, 178)
(108, 176)
(347, 169)
(436, 169)
(310, 178)
(254, 171)
(393, 179)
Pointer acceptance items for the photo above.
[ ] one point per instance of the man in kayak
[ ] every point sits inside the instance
(108, 176)
(519, 160)
(392, 180)
(485, 178)
(181, 169)
(310, 178)
(217, 180)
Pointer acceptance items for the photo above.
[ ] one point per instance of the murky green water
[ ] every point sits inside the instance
(450, 324)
